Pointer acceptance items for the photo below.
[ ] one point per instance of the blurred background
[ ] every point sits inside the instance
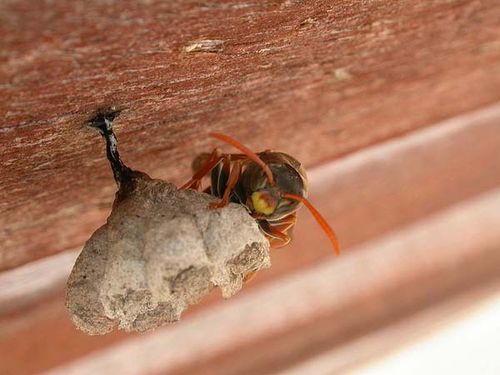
(394, 109)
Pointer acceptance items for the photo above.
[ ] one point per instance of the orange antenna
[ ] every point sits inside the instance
(251, 155)
(320, 219)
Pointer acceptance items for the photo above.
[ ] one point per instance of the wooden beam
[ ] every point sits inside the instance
(367, 196)
(326, 305)
(317, 79)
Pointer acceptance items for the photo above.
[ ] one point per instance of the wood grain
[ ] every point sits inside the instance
(317, 79)
(324, 306)
(365, 196)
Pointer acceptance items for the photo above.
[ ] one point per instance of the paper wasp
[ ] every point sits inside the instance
(271, 185)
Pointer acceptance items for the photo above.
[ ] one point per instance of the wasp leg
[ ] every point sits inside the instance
(284, 224)
(279, 240)
(249, 276)
(278, 231)
(104, 123)
(195, 182)
(234, 176)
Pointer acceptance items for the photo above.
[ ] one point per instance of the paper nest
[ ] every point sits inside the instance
(160, 251)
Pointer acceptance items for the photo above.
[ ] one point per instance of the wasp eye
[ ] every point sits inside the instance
(263, 202)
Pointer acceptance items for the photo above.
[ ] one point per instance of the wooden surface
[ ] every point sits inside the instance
(394, 107)
(326, 306)
(378, 192)
(316, 79)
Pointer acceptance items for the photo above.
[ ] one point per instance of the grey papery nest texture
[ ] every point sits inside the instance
(160, 251)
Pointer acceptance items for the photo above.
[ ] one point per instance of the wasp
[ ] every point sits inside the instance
(270, 185)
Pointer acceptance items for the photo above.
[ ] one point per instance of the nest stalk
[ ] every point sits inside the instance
(103, 122)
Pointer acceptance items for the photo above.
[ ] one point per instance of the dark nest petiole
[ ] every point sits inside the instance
(103, 122)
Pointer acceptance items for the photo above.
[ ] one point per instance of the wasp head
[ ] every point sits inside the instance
(266, 199)
(273, 185)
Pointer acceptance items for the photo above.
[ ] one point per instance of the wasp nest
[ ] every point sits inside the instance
(161, 250)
